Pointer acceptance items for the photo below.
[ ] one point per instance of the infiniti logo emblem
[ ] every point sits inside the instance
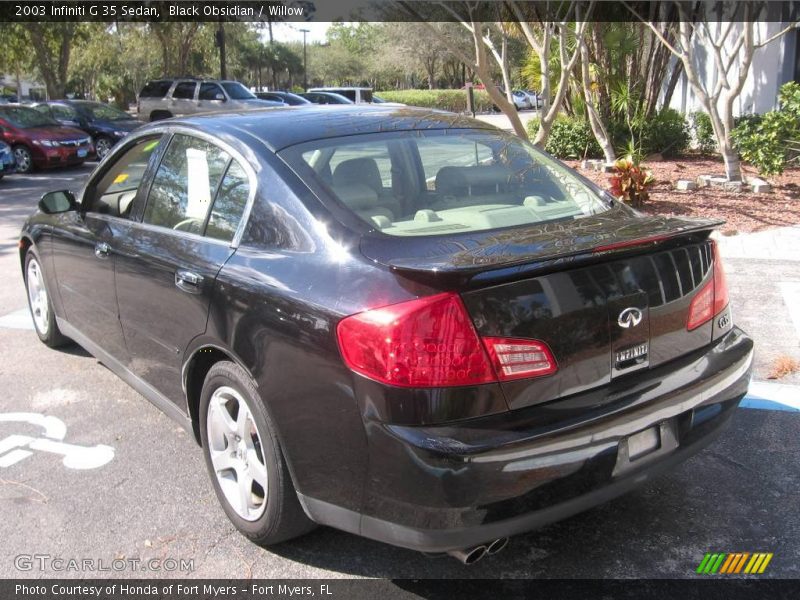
(630, 317)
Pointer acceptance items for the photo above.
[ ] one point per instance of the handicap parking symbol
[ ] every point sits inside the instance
(15, 448)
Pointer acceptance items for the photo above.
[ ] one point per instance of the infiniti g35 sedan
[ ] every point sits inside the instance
(402, 323)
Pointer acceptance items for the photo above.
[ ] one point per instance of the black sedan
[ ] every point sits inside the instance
(285, 97)
(326, 98)
(405, 324)
(107, 125)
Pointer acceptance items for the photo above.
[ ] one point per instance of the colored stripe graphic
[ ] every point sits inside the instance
(732, 563)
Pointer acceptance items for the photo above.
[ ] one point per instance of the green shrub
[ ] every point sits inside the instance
(667, 133)
(451, 100)
(704, 132)
(569, 138)
(770, 141)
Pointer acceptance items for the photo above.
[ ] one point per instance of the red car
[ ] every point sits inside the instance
(40, 142)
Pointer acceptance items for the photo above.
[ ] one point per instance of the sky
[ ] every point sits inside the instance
(290, 32)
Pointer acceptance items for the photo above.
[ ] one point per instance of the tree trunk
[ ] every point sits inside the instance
(595, 120)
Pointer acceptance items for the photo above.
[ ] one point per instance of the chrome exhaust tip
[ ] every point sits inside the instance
(468, 556)
(496, 546)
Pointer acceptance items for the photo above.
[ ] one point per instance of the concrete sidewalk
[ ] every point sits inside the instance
(782, 243)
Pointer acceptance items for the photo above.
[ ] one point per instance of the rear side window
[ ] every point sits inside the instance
(185, 184)
(155, 89)
(184, 90)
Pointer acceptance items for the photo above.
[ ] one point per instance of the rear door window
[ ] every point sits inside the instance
(185, 184)
(184, 90)
(229, 205)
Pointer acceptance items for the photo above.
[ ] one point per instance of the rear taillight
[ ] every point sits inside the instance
(431, 342)
(712, 299)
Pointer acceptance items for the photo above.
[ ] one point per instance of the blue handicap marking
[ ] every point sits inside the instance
(772, 396)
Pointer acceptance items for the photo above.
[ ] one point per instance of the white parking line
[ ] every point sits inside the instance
(19, 319)
(791, 296)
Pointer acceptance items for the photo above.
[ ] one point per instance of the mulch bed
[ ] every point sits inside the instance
(743, 212)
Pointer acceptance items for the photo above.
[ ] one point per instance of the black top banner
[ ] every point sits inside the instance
(395, 10)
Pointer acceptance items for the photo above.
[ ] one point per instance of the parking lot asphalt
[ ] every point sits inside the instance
(143, 491)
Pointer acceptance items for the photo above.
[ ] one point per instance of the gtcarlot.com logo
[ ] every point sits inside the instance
(733, 563)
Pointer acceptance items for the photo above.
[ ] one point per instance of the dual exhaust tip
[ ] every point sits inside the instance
(469, 556)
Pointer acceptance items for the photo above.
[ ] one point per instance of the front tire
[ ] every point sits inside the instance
(24, 159)
(245, 461)
(41, 307)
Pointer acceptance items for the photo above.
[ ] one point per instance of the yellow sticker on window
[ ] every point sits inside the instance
(121, 178)
(150, 146)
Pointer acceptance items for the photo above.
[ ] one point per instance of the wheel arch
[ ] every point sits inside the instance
(25, 244)
(202, 357)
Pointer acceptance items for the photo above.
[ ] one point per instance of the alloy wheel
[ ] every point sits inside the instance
(37, 295)
(102, 146)
(24, 160)
(235, 449)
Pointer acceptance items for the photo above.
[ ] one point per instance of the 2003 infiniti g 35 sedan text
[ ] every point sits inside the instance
(401, 323)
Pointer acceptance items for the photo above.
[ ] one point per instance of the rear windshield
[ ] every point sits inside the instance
(25, 118)
(437, 182)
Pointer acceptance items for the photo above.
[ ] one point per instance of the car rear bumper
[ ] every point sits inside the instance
(438, 488)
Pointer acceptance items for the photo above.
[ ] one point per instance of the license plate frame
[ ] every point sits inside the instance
(638, 448)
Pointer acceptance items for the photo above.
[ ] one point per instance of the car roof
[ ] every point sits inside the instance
(281, 127)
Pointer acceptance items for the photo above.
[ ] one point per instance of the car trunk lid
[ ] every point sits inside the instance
(608, 298)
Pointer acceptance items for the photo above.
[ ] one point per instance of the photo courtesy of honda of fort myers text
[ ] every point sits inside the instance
(399, 299)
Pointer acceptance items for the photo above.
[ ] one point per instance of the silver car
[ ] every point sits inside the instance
(165, 98)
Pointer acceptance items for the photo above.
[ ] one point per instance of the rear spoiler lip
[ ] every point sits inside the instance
(441, 266)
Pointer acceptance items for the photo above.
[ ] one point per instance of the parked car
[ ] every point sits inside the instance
(40, 142)
(379, 100)
(107, 125)
(7, 163)
(165, 98)
(534, 99)
(326, 98)
(408, 325)
(358, 95)
(285, 97)
(521, 100)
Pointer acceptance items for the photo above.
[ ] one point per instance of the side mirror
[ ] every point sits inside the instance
(220, 97)
(53, 203)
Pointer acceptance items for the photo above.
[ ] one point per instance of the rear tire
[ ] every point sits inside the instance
(41, 307)
(245, 461)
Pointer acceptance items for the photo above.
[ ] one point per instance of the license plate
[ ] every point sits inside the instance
(631, 353)
(82, 152)
(643, 443)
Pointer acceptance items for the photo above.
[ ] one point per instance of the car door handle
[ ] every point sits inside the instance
(188, 281)
(101, 250)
